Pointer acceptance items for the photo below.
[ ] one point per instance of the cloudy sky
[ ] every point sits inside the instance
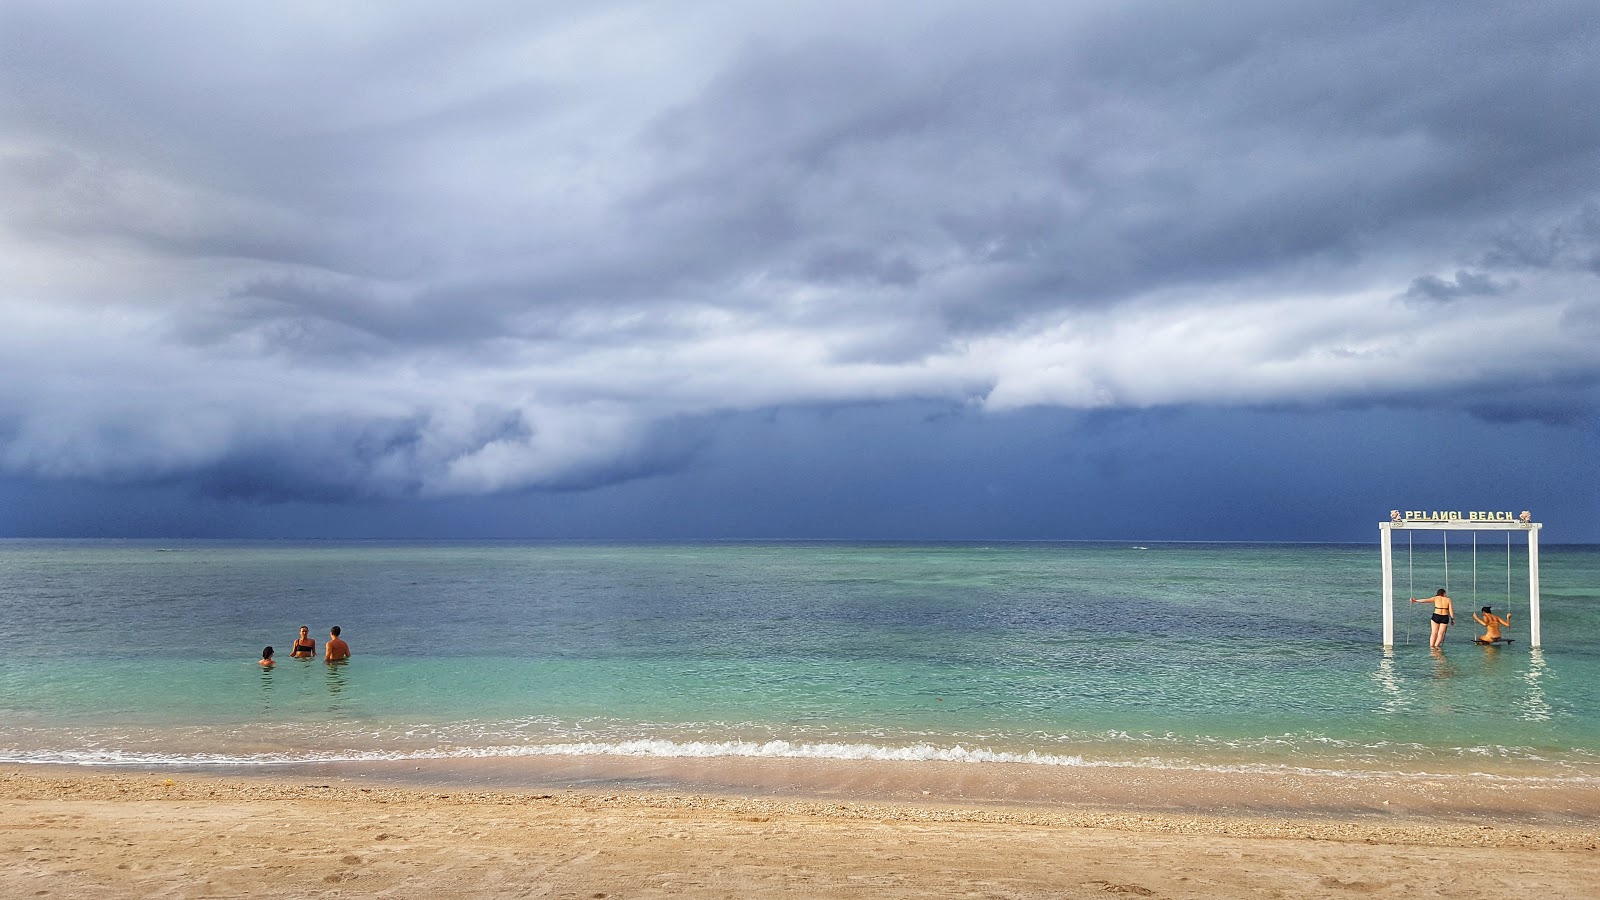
(1123, 270)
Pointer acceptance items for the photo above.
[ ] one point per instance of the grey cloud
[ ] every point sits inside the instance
(319, 461)
(1572, 241)
(340, 462)
(1124, 158)
(348, 315)
(1584, 319)
(60, 193)
(1465, 284)
(941, 205)
(1568, 405)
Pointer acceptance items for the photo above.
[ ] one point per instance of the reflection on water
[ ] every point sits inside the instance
(1493, 660)
(1535, 708)
(1388, 679)
(336, 679)
(266, 688)
(1442, 666)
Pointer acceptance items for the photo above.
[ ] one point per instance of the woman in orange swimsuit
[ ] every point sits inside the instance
(1444, 612)
(1491, 625)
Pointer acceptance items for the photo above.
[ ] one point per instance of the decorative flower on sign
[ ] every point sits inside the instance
(1394, 515)
(1526, 517)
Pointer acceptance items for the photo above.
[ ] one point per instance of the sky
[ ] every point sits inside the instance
(859, 270)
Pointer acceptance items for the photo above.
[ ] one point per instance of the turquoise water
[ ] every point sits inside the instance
(1235, 655)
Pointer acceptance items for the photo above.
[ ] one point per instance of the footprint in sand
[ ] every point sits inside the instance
(1124, 889)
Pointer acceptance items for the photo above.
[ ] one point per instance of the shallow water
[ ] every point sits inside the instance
(1211, 655)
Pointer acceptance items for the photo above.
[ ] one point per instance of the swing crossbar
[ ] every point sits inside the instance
(1462, 525)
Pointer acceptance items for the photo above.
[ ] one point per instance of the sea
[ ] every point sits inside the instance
(1224, 656)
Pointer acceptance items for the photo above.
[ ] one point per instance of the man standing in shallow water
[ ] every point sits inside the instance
(337, 649)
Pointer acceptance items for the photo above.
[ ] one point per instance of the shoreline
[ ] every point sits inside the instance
(102, 834)
(1361, 762)
(1374, 799)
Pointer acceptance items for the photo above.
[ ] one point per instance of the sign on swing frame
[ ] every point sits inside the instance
(1456, 520)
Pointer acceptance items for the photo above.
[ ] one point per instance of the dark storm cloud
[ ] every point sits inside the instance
(402, 251)
(336, 462)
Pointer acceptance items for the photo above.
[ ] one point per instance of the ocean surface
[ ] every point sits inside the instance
(1232, 656)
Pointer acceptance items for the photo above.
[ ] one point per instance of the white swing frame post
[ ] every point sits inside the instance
(1386, 529)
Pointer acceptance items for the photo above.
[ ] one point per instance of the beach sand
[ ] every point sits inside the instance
(770, 829)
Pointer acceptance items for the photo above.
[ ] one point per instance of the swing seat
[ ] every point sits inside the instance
(1493, 642)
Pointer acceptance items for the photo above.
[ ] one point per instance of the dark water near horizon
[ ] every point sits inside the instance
(1210, 655)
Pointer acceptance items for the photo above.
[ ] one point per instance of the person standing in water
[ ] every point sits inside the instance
(336, 649)
(1444, 611)
(266, 657)
(1491, 625)
(304, 647)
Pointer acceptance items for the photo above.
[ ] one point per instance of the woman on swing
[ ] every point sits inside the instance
(1444, 612)
(1491, 625)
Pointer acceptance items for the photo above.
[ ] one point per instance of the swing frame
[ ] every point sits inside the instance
(1385, 534)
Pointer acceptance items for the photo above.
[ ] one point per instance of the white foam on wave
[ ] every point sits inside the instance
(641, 747)
(669, 749)
(779, 749)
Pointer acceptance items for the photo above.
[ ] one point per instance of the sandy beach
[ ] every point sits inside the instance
(87, 833)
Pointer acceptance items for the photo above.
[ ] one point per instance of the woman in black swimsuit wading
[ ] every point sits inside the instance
(304, 647)
(1444, 612)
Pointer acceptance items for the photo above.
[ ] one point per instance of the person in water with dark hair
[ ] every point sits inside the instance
(336, 649)
(304, 647)
(266, 656)
(1491, 625)
(1444, 613)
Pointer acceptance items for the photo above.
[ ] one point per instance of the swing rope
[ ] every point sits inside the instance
(1411, 581)
(1446, 536)
(1474, 568)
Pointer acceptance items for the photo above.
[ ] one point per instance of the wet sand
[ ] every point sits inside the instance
(720, 828)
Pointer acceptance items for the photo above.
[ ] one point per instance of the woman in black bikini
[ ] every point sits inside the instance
(1444, 612)
(304, 647)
